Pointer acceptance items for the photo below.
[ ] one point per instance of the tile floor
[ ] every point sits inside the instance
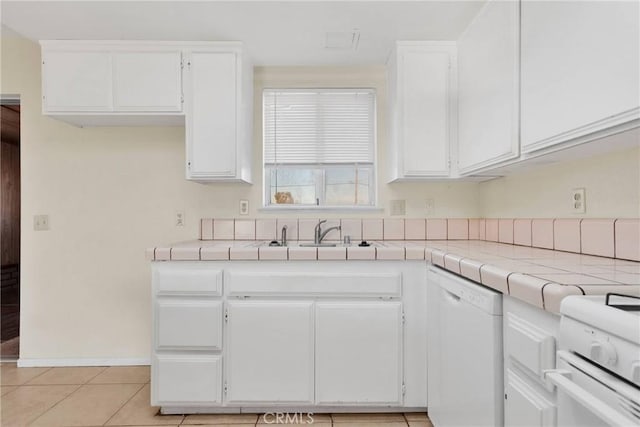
(119, 396)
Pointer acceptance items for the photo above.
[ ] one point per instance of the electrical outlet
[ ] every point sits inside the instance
(41, 222)
(244, 207)
(397, 207)
(429, 207)
(179, 218)
(578, 201)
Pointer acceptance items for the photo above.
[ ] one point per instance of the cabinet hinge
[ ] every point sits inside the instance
(225, 388)
(189, 165)
(404, 319)
(188, 65)
(226, 319)
(182, 99)
(404, 389)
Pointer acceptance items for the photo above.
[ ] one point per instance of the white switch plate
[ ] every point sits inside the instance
(179, 218)
(429, 207)
(41, 222)
(397, 207)
(244, 207)
(578, 201)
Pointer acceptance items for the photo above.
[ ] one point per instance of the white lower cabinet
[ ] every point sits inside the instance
(270, 352)
(359, 353)
(527, 407)
(187, 380)
(232, 336)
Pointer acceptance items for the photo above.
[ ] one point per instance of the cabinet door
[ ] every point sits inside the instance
(359, 353)
(211, 125)
(188, 325)
(488, 102)
(186, 380)
(77, 81)
(423, 131)
(270, 349)
(147, 81)
(580, 69)
(524, 406)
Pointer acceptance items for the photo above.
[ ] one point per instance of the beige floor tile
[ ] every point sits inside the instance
(229, 425)
(416, 416)
(7, 389)
(89, 405)
(216, 419)
(420, 424)
(71, 375)
(10, 374)
(296, 419)
(123, 375)
(138, 411)
(27, 403)
(386, 418)
(371, 423)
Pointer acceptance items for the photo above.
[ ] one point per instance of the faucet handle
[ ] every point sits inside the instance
(322, 221)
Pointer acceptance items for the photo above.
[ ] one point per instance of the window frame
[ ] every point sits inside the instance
(320, 169)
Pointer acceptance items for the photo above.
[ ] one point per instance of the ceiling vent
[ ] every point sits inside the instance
(345, 40)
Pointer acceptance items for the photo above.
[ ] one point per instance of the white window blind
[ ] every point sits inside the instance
(319, 126)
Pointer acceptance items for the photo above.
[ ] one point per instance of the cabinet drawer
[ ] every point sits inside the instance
(189, 325)
(315, 284)
(524, 406)
(188, 281)
(530, 346)
(187, 380)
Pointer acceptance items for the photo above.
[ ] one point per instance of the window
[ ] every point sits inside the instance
(319, 147)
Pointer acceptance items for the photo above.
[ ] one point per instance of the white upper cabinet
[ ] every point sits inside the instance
(94, 83)
(580, 70)
(76, 81)
(147, 81)
(218, 92)
(488, 86)
(422, 96)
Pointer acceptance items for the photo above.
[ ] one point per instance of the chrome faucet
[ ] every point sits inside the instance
(283, 236)
(320, 234)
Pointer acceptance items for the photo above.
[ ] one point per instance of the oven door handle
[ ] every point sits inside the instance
(561, 379)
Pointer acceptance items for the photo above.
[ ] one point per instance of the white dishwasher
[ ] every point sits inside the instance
(464, 353)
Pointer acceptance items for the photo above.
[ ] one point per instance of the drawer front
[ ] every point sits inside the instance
(385, 285)
(187, 380)
(524, 406)
(532, 347)
(195, 325)
(188, 281)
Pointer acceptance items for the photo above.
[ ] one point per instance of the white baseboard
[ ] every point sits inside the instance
(38, 363)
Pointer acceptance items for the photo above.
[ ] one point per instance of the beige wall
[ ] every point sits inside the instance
(112, 192)
(611, 181)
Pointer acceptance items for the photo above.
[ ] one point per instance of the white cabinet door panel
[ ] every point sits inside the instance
(359, 353)
(425, 112)
(187, 380)
(271, 352)
(212, 115)
(147, 81)
(488, 87)
(580, 68)
(77, 81)
(189, 324)
(524, 406)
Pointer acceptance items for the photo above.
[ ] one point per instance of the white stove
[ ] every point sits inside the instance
(598, 375)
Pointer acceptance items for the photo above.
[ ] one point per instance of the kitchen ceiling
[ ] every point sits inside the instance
(275, 32)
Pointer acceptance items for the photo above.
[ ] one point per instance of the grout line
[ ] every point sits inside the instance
(55, 404)
(124, 404)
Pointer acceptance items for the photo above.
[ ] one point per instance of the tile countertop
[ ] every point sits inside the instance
(540, 277)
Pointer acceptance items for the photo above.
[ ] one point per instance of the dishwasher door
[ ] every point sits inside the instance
(465, 365)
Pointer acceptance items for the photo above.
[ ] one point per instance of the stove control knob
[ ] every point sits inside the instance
(604, 353)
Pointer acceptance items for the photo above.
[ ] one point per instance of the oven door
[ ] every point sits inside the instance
(589, 396)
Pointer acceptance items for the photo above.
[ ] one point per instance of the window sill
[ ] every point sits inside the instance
(336, 209)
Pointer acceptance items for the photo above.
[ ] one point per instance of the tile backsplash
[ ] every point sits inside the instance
(610, 237)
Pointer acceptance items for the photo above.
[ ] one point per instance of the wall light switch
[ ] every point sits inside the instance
(41, 222)
(578, 201)
(244, 207)
(397, 207)
(179, 218)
